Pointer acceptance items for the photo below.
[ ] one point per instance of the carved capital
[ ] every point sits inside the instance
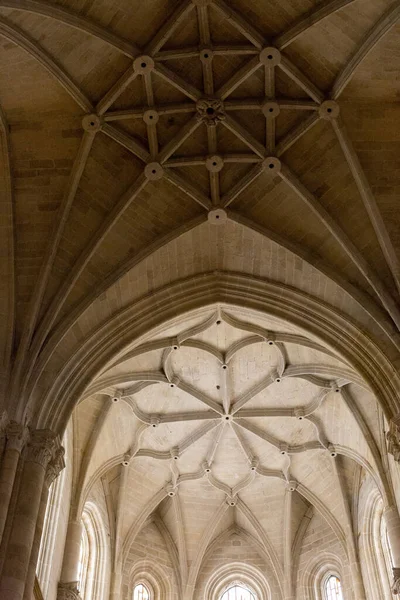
(16, 436)
(68, 591)
(393, 438)
(55, 466)
(41, 447)
(396, 581)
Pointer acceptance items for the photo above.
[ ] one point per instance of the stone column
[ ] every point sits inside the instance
(392, 521)
(69, 574)
(54, 468)
(16, 564)
(116, 583)
(15, 437)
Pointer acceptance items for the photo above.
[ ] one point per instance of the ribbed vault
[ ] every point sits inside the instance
(124, 129)
(226, 422)
(200, 274)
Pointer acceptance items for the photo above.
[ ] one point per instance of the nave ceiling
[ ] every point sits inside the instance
(215, 150)
(127, 129)
(217, 425)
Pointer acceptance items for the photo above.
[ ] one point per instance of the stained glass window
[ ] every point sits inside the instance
(333, 588)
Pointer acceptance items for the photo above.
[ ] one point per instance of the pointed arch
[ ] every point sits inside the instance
(96, 582)
(21, 39)
(201, 291)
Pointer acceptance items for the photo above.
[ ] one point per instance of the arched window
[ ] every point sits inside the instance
(83, 562)
(333, 588)
(384, 539)
(238, 592)
(93, 556)
(140, 592)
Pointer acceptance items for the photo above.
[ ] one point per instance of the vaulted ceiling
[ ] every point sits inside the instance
(145, 142)
(126, 125)
(226, 422)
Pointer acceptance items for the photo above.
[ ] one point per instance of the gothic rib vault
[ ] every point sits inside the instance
(225, 422)
(199, 116)
(148, 144)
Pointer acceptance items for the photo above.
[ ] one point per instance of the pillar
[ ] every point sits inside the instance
(53, 470)
(15, 437)
(392, 521)
(68, 586)
(16, 564)
(116, 582)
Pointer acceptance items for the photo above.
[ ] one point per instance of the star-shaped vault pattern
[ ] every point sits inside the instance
(225, 413)
(210, 109)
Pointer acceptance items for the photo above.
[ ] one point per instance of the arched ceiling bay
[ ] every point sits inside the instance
(209, 425)
(125, 126)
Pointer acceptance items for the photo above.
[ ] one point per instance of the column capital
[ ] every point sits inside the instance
(68, 591)
(396, 581)
(16, 435)
(41, 447)
(55, 466)
(393, 438)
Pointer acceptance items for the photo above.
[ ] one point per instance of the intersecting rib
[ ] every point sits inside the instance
(242, 184)
(162, 109)
(61, 296)
(296, 133)
(245, 28)
(186, 186)
(177, 81)
(308, 20)
(369, 200)
(178, 140)
(189, 389)
(250, 394)
(214, 445)
(239, 77)
(79, 22)
(55, 237)
(127, 141)
(196, 436)
(169, 27)
(21, 39)
(244, 135)
(347, 244)
(300, 79)
(116, 90)
(382, 27)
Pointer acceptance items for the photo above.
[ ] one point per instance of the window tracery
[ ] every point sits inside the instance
(333, 588)
(237, 592)
(140, 592)
(93, 555)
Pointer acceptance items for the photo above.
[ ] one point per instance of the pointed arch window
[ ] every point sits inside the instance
(333, 588)
(238, 592)
(140, 592)
(83, 562)
(94, 555)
